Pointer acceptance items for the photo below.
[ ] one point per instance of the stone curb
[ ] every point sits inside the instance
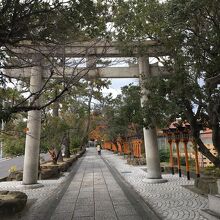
(137, 201)
(47, 206)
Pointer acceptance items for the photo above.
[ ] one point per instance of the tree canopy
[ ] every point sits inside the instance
(189, 33)
(34, 23)
(122, 115)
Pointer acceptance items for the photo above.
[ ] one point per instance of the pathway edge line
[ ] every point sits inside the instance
(133, 196)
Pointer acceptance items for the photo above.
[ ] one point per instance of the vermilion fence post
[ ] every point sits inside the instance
(171, 156)
(185, 141)
(169, 137)
(178, 157)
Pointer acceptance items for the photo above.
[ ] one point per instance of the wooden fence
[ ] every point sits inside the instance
(132, 147)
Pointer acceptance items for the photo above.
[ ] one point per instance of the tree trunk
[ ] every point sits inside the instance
(203, 149)
(59, 157)
(195, 129)
(67, 146)
(85, 136)
(56, 106)
(116, 144)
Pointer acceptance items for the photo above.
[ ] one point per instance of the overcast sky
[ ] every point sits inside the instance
(115, 88)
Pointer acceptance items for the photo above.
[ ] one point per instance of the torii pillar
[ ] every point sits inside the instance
(32, 144)
(150, 137)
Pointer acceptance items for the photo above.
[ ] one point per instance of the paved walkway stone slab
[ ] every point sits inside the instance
(170, 200)
(95, 194)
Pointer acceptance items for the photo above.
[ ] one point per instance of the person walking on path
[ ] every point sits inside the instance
(98, 147)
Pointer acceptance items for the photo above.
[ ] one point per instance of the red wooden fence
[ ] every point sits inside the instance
(132, 147)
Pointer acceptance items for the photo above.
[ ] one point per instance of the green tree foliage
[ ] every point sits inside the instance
(73, 113)
(123, 115)
(53, 132)
(13, 137)
(47, 21)
(9, 97)
(130, 109)
(73, 110)
(164, 155)
(115, 123)
(189, 33)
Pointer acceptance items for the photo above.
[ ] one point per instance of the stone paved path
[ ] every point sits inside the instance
(36, 197)
(94, 194)
(170, 200)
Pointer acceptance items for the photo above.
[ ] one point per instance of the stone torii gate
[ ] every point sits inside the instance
(90, 50)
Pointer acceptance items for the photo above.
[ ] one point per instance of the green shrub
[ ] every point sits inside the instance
(75, 150)
(164, 155)
(14, 146)
(211, 171)
(75, 143)
(14, 138)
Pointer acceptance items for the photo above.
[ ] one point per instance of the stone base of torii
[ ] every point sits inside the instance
(142, 71)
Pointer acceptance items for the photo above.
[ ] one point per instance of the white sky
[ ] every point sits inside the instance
(115, 88)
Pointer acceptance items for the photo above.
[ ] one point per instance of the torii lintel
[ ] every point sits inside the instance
(94, 48)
